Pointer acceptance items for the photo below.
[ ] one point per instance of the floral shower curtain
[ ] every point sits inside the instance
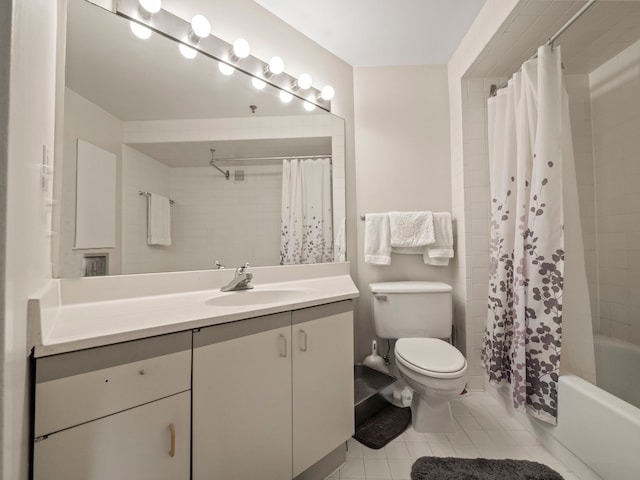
(527, 128)
(306, 216)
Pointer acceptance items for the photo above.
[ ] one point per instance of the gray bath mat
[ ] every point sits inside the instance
(448, 468)
(384, 426)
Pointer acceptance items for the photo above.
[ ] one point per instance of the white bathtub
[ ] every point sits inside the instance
(602, 430)
(596, 429)
(618, 368)
(601, 424)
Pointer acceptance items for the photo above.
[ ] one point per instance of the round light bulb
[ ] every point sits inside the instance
(308, 106)
(140, 31)
(304, 81)
(257, 83)
(276, 65)
(285, 96)
(200, 26)
(187, 52)
(241, 48)
(327, 92)
(151, 6)
(225, 69)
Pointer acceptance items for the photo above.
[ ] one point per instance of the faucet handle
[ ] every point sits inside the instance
(243, 268)
(218, 265)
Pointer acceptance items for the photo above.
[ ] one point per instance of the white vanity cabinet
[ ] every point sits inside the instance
(323, 414)
(273, 395)
(119, 411)
(242, 399)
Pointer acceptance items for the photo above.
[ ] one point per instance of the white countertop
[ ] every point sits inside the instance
(78, 326)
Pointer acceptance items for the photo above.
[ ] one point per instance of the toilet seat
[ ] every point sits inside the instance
(431, 357)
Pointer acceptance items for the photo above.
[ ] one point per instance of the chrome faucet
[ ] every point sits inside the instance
(240, 280)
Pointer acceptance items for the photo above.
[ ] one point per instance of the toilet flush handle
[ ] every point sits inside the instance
(382, 298)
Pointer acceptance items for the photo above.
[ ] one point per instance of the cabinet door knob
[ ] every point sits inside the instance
(172, 451)
(303, 347)
(283, 352)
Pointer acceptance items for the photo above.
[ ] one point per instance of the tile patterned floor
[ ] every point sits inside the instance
(483, 429)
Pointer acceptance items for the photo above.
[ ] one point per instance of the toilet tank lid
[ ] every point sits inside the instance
(409, 287)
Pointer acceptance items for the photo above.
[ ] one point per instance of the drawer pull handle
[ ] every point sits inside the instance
(303, 348)
(172, 451)
(283, 352)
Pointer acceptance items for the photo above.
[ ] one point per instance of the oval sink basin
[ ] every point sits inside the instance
(256, 297)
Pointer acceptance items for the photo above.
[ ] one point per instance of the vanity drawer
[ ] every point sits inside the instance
(78, 387)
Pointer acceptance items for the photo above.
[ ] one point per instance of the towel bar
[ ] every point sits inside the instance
(146, 194)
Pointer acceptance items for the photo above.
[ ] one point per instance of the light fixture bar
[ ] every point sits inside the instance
(175, 28)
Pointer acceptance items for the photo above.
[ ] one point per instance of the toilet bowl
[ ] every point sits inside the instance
(437, 373)
(419, 316)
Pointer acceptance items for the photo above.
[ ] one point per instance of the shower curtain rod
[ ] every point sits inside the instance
(302, 157)
(494, 88)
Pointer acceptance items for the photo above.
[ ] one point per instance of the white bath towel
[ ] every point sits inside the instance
(158, 220)
(411, 229)
(377, 241)
(441, 250)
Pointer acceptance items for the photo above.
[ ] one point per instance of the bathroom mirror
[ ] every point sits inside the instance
(164, 118)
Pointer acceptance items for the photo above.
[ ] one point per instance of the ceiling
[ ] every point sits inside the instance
(381, 32)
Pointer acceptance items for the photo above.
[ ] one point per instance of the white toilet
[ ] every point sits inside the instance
(419, 316)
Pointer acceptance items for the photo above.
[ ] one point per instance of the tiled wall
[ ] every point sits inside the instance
(477, 214)
(141, 173)
(615, 110)
(212, 216)
(580, 115)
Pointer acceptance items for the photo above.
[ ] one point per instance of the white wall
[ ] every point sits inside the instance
(6, 9)
(86, 121)
(403, 163)
(27, 254)
(615, 111)
(140, 172)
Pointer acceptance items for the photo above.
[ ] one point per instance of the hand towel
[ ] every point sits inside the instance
(377, 244)
(441, 250)
(158, 220)
(411, 229)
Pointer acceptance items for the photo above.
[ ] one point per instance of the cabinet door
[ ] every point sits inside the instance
(322, 381)
(242, 400)
(132, 445)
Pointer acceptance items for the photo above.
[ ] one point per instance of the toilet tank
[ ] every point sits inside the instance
(412, 309)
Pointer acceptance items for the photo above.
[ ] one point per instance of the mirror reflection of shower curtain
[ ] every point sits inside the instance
(306, 234)
(537, 277)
